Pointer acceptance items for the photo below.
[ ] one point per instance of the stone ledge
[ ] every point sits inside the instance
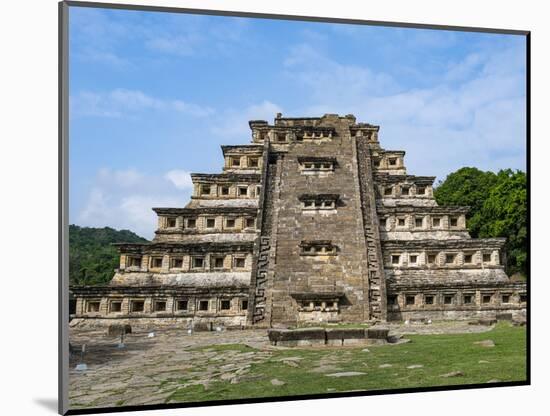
(345, 333)
(329, 336)
(278, 335)
(377, 333)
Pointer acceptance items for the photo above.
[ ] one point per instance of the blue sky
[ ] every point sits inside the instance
(154, 95)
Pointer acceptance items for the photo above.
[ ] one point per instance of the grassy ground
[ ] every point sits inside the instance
(437, 354)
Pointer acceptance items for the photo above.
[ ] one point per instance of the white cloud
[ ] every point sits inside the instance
(101, 37)
(180, 178)
(182, 45)
(103, 57)
(97, 203)
(332, 80)
(191, 109)
(97, 36)
(198, 36)
(465, 68)
(123, 199)
(122, 102)
(232, 124)
(473, 116)
(121, 178)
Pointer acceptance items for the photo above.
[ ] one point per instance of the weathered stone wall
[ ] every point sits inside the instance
(200, 224)
(243, 158)
(194, 304)
(341, 273)
(258, 309)
(376, 279)
(197, 323)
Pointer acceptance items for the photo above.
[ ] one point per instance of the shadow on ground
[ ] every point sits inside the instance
(104, 350)
(48, 404)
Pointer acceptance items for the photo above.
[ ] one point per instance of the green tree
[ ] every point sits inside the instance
(504, 214)
(92, 257)
(498, 208)
(469, 187)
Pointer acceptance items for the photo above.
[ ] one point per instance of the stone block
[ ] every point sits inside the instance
(354, 341)
(305, 336)
(377, 333)
(345, 336)
(504, 316)
(304, 342)
(202, 326)
(394, 339)
(119, 329)
(345, 333)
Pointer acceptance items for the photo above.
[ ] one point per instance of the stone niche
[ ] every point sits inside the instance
(318, 307)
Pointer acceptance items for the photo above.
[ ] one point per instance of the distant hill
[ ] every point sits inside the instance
(92, 258)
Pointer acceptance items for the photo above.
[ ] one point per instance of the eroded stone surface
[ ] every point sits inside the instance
(149, 370)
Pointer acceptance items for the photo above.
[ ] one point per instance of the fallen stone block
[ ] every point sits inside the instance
(345, 336)
(377, 333)
(296, 337)
(119, 329)
(504, 316)
(392, 339)
(345, 333)
(201, 326)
